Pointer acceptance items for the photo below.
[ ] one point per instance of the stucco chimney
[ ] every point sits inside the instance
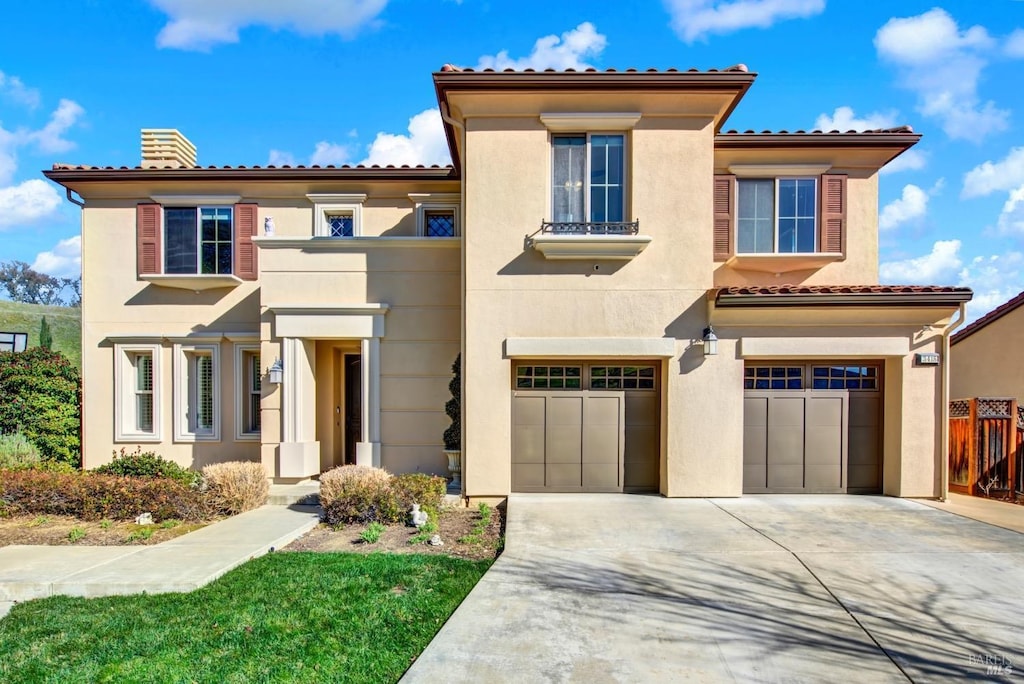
(166, 148)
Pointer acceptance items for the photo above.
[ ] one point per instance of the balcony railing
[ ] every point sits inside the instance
(589, 228)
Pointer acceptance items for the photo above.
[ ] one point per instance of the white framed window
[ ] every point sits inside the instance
(196, 392)
(588, 178)
(248, 391)
(437, 214)
(777, 215)
(198, 240)
(337, 216)
(137, 404)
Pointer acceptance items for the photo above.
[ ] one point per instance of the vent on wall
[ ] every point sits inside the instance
(166, 148)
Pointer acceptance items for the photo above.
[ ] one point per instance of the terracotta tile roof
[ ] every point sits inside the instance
(840, 289)
(872, 131)
(86, 167)
(453, 69)
(990, 317)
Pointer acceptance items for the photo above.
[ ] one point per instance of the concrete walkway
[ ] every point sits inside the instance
(999, 513)
(181, 564)
(613, 588)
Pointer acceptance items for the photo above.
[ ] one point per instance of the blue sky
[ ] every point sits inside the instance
(348, 81)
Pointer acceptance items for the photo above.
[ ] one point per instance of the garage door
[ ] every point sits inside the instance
(812, 428)
(585, 427)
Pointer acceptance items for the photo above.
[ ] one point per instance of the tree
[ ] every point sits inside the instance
(45, 337)
(32, 287)
(40, 396)
(453, 435)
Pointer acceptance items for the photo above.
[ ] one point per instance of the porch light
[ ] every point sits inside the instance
(276, 372)
(710, 341)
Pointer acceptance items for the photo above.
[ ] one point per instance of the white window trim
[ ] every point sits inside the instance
(124, 394)
(325, 205)
(242, 392)
(425, 202)
(182, 431)
(775, 215)
(586, 180)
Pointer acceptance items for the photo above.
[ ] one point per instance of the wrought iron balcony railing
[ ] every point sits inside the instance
(589, 228)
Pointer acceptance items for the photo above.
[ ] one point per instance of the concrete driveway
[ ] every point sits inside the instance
(614, 588)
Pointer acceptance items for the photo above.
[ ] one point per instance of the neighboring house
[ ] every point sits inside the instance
(13, 341)
(987, 358)
(593, 228)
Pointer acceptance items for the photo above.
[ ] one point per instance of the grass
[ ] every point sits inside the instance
(65, 325)
(285, 617)
(371, 535)
(476, 535)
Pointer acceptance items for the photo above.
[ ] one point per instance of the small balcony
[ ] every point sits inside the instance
(620, 240)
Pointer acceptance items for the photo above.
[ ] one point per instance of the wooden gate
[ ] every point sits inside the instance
(986, 446)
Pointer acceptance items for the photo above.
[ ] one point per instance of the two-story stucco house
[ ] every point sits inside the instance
(642, 301)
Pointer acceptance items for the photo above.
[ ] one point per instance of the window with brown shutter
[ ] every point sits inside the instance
(149, 230)
(833, 213)
(724, 209)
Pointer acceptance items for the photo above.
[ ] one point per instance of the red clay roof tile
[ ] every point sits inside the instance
(769, 290)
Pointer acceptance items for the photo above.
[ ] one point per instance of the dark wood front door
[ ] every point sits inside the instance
(353, 405)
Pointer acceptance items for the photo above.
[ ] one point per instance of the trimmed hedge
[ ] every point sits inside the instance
(90, 496)
(361, 494)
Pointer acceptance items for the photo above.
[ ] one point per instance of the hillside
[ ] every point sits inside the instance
(65, 325)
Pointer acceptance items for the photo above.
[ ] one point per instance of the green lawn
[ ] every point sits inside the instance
(65, 325)
(285, 617)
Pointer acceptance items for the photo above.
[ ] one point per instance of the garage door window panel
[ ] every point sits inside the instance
(773, 378)
(549, 377)
(622, 377)
(844, 377)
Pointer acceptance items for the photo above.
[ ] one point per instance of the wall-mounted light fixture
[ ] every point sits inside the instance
(276, 372)
(710, 341)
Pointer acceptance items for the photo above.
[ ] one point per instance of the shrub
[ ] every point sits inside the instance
(453, 407)
(356, 493)
(41, 399)
(95, 497)
(426, 490)
(236, 486)
(371, 535)
(17, 453)
(141, 463)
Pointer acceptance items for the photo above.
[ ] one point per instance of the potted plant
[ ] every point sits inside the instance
(453, 435)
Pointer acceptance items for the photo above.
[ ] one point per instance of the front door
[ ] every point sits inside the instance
(353, 405)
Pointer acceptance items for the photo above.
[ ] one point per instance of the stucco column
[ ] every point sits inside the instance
(299, 453)
(368, 449)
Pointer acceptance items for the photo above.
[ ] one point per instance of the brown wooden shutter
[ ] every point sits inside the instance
(833, 213)
(724, 200)
(246, 266)
(148, 234)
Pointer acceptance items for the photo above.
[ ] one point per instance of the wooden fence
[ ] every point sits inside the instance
(986, 447)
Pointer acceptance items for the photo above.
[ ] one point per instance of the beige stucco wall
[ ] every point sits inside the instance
(990, 362)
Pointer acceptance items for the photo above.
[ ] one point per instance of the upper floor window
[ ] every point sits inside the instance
(776, 215)
(588, 178)
(437, 214)
(337, 216)
(198, 240)
(439, 223)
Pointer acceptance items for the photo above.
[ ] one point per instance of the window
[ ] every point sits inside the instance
(622, 377)
(845, 377)
(337, 216)
(137, 393)
(198, 240)
(13, 342)
(773, 377)
(439, 223)
(196, 393)
(248, 385)
(776, 216)
(588, 178)
(549, 377)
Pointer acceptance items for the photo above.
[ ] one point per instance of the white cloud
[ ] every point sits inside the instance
(990, 177)
(994, 279)
(696, 19)
(425, 143)
(1011, 218)
(280, 158)
(63, 261)
(943, 64)
(912, 205)
(202, 24)
(911, 160)
(50, 137)
(327, 153)
(553, 52)
(27, 202)
(1014, 46)
(939, 266)
(13, 88)
(843, 119)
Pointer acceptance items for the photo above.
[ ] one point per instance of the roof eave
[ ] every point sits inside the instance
(95, 175)
(904, 299)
